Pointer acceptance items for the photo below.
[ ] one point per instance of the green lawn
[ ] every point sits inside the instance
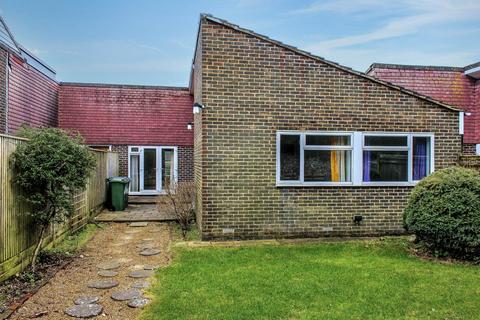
(355, 280)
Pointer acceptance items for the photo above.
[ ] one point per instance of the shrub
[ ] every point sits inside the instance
(50, 168)
(179, 201)
(443, 211)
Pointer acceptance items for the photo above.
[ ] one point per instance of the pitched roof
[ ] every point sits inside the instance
(321, 59)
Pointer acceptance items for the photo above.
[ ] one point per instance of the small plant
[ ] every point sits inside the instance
(50, 168)
(180, 201)
(444, 213)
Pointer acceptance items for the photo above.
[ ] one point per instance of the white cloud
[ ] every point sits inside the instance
(421, 14)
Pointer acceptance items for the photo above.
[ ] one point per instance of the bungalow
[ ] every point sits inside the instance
(284, 143)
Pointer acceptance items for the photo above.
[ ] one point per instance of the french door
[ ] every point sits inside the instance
(151, 170)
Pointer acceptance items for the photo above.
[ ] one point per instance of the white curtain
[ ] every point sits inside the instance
(135, 172)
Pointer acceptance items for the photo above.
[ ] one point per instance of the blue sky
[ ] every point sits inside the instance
(152, 42)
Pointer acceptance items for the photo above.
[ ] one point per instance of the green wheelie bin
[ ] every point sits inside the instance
(118, 193)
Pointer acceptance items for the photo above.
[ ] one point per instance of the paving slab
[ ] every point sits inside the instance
(86, 300)
(84, 310)
(138, 224)
(140, 285)
(138, 302)
(107, 273)
(109, 265)
(140, 274)
(126, 295)
(150, 252)
(104, 284)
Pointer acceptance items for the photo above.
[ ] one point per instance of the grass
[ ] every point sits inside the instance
(350, 280)
(72, 243)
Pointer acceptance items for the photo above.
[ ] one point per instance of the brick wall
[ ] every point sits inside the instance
(198, 133)
(469, 148)
(185, 163)
(251, 89)
(32, 97)
(122, 151)
(3, 90)
(470, 161)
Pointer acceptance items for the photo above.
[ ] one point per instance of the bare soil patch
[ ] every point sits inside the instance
(116, 242)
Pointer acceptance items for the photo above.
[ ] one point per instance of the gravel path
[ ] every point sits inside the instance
(115, 243)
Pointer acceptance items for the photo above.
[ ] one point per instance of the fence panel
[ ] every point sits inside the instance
(17, 232)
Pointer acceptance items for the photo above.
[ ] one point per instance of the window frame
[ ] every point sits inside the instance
(303, 147)
(357, 146)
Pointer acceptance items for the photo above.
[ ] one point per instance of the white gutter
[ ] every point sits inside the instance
(461, 122)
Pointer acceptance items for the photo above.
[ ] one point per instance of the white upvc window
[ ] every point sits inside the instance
(312, 158)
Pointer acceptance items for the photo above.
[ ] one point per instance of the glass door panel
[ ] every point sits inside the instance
(149, 169)
(167, 168)
(135, 172)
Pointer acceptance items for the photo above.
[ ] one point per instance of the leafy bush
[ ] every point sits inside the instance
(50, 168)
(443, 211)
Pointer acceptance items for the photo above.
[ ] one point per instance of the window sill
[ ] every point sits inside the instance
(345, 184)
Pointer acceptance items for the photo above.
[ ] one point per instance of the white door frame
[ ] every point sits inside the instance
(159, 178)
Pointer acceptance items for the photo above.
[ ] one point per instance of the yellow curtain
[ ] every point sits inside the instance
(334, 170)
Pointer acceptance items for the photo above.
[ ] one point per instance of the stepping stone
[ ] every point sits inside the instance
(103, 284)
(126, 295)
(109, 265)
(138, 224)
(138, 302)
(84, 310)
(150, 252)
(144, 246)
(149, 267)
(140, 285)
(140, 274)
(107, 273)
(86, 300)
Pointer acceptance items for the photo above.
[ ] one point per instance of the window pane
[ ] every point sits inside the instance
(322, 140)
(167, 168)
(421, 157)
(385, 166)
(290, 157)
(135, 172)
(328, 165)
(385, 141)
(150, 169)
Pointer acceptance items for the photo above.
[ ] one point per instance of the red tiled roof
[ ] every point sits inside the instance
(123, 114)
(447, 84)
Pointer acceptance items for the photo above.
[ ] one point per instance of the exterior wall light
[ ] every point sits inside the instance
(197, 107)
(190, 125)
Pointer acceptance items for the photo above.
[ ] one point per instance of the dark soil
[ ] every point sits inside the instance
(14, 291)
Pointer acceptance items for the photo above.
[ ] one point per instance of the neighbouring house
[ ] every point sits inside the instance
(284, 143)
(146, 125)
(457, 86)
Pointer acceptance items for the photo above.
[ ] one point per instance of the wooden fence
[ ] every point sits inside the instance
(17, 233)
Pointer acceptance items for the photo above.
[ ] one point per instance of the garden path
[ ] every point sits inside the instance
(120, 257)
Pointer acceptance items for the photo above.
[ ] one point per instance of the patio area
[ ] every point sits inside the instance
(135, 213)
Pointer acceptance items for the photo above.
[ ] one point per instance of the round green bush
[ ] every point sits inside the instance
(443, 211)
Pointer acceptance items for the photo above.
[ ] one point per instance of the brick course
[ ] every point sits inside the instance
(251, 89)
